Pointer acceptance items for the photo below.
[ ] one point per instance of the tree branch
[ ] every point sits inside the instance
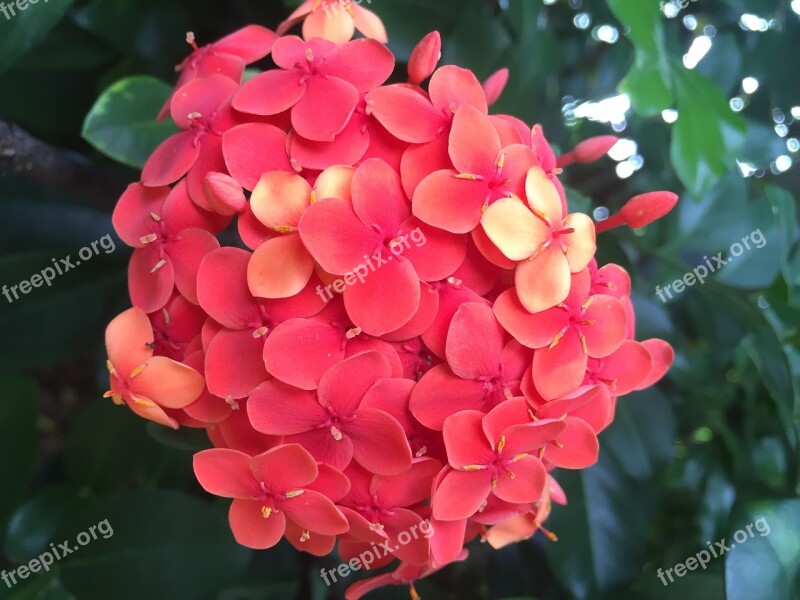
(22, 154)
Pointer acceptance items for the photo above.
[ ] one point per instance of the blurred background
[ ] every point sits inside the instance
(705, 97)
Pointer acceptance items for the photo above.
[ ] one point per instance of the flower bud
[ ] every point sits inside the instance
(224, 193)
(424, 58)
(643, 209)
(494, 85)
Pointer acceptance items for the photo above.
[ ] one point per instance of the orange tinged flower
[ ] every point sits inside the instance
(147, 384)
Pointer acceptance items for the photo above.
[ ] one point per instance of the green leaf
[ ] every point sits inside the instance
(783, 207)
(122, 123)
(19, 441)
(92, 451)
(162, 544)
(26, 28)
(602, 529)
(707, 134)
(50, 323)
(765, 562)
(648, 82)
(34, 524)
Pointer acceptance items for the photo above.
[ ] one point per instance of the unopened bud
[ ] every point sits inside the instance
(424, 58)
(643, 209)
(494, 85)
(588, 150)
(224, 193)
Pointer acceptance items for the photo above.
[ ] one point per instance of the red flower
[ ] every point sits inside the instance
(566, 335)
(171, 236)
(483, 369)
(202, 109)
(485, 171)
(331, 421)
(227, 56)
(371, 237)
(234, 359)
(319, 81)
(269, 491)
(492, 454)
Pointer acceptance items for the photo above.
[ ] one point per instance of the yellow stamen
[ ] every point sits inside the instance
(260, 332)
(550, 535)
(146, 239)
(159, 264)
(518, 456)
(145, 403)
(309, 55)
(586, 304)
(108, 394)
(284, 229)
(194, 115)
(454, 281)
(467, 176)
(166, 315)
(312, 197)
(138, 370)
(583, 345)
(473, 468)
(558, 444)
(414, 594)
(510, 474)
(155, 216)
(422, 451)
(305, 535)
(501, 160)
(294, 493)
(233, 403)
(494, 483)
(110, 367)
(507, 393)
(337, 435)
(190, 37)
(376, 526)
(354, 332)
(501, 443)
(556, 339)
(266, 511)
(295, 164)
(532, 416)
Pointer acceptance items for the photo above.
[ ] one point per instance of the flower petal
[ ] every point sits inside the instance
(280, 267)
(224, 472)
(251, 529)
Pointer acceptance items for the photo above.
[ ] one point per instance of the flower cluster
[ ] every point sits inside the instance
(355, 384)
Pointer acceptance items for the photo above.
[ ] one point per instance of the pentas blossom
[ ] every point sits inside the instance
(417, 332)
